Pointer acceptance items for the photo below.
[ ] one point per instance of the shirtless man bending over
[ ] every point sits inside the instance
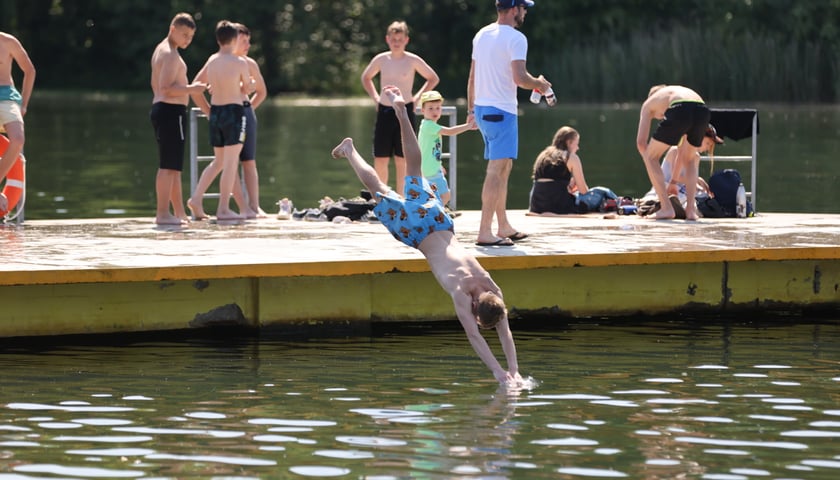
(684, 117)
(419, 220)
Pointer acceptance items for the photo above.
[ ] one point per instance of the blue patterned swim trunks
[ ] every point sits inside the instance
(412, 219)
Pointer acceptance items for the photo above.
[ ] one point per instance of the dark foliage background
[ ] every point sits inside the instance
(592, 50)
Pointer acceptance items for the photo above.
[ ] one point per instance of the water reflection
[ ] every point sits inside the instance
(663, 401)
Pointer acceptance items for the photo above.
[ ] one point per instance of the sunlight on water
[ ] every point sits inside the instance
(666, 401)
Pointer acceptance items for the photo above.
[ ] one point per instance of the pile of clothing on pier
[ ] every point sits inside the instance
(328, 210)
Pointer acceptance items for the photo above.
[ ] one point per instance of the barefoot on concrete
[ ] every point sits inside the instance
(197, 210)
(227, 214)
(168, 219)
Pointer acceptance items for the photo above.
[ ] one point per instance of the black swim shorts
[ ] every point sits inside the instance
(386, 132)
(249, 147)
(169, 123)
(684, 118)
(227, 124)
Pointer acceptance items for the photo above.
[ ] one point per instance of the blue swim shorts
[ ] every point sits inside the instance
(500, 130)
(412, 219)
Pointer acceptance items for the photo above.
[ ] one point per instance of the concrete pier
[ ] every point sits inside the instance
(63, 277)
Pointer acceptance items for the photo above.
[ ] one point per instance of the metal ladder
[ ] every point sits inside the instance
(195, 158)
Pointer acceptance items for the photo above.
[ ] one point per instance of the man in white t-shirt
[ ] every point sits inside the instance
(497, 68)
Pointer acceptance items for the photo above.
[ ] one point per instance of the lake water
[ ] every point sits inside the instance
(656, 400)
(95, 156)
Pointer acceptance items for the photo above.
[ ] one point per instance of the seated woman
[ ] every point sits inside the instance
(559, 185)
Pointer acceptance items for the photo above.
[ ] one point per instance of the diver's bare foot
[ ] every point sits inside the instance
(197, 211)
(394, 95)
(228, 215)
(344, 149)
(692, 217)
(259, 212)
(167, 219)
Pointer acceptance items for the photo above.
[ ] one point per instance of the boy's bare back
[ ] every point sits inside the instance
(661, 99)
(226, 74)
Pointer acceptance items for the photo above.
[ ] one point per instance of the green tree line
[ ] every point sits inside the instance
(591, 50)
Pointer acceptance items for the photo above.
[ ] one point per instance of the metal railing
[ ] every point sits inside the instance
(753, 159)
(451, 155)
(195, 172)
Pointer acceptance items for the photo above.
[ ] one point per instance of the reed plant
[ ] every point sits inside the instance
(742, 67)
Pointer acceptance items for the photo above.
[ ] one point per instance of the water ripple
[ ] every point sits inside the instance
(113, 452)
(291, 423)
(810, 433)
(345, 454)
(244, 461)
(105, 439)
(85, 472)
(570, 396)
(319, 471)
(822, 463)
(181, 431)
(591, 472)
(66, 408)
(371, 441)
(742, 443)
(565, 442)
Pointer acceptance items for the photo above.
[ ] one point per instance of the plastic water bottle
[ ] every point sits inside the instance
(550, 99)
(535, 96)
(741, 202)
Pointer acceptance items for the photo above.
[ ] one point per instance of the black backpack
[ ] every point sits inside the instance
(724, 185)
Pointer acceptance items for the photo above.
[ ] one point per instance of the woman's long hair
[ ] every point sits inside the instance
(558, 151)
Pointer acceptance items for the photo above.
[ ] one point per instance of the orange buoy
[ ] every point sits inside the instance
(15, 180)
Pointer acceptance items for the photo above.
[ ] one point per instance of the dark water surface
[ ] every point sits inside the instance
(95, 156)
(647, 400)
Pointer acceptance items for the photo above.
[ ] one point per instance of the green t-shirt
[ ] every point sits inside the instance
(429, 139)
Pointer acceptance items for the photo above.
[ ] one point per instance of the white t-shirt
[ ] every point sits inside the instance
(494, 48)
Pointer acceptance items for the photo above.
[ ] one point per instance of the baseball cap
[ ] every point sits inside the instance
(430, 96)
(712, 133)
(505, 4)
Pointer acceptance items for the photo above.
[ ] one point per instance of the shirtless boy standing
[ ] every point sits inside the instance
(684, 117)
(418, 220)
(13, 104)
(249, 208)
(395, 67)
(248, 155)
(169, 116)
(227, 76)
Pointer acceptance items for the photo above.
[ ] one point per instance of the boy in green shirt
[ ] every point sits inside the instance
(430, 139)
